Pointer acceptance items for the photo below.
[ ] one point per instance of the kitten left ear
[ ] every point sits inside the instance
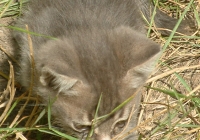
(137, 76)
(56, 81)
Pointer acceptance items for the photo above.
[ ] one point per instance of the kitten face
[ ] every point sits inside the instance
(99, 50)
(75, 79)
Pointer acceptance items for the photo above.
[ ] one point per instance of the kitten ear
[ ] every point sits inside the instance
(137, 76)
(131, 47)
(136, 53)
(59, 82)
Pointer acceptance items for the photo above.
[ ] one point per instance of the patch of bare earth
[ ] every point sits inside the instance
(5, 48)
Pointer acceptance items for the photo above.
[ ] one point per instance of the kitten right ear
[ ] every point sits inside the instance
(59, 82)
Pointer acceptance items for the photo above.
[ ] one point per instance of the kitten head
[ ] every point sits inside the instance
(74, 71)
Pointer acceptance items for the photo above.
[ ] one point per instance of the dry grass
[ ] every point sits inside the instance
(165, 117)
(170, 107)
(174, 115)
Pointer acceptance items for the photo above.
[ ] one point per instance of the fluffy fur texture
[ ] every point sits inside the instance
(100, 48)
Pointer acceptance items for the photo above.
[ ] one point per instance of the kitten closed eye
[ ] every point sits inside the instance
(119, 126)
(83, 129)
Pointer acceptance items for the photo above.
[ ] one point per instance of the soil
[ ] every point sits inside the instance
(5, 48)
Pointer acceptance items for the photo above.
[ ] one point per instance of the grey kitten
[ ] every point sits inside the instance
(100, 48)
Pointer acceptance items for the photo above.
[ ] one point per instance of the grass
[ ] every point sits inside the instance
(175, 114)
(11, 8)
(171, 104)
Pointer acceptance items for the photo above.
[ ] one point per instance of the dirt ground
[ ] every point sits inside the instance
(5, 37)
(5, 48)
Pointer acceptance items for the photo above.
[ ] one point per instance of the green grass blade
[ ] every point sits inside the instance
(28, 32)
(42, 113)
(94, 120)
(169, 92)
(178, 23)
(183, 82)
(64, 135)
